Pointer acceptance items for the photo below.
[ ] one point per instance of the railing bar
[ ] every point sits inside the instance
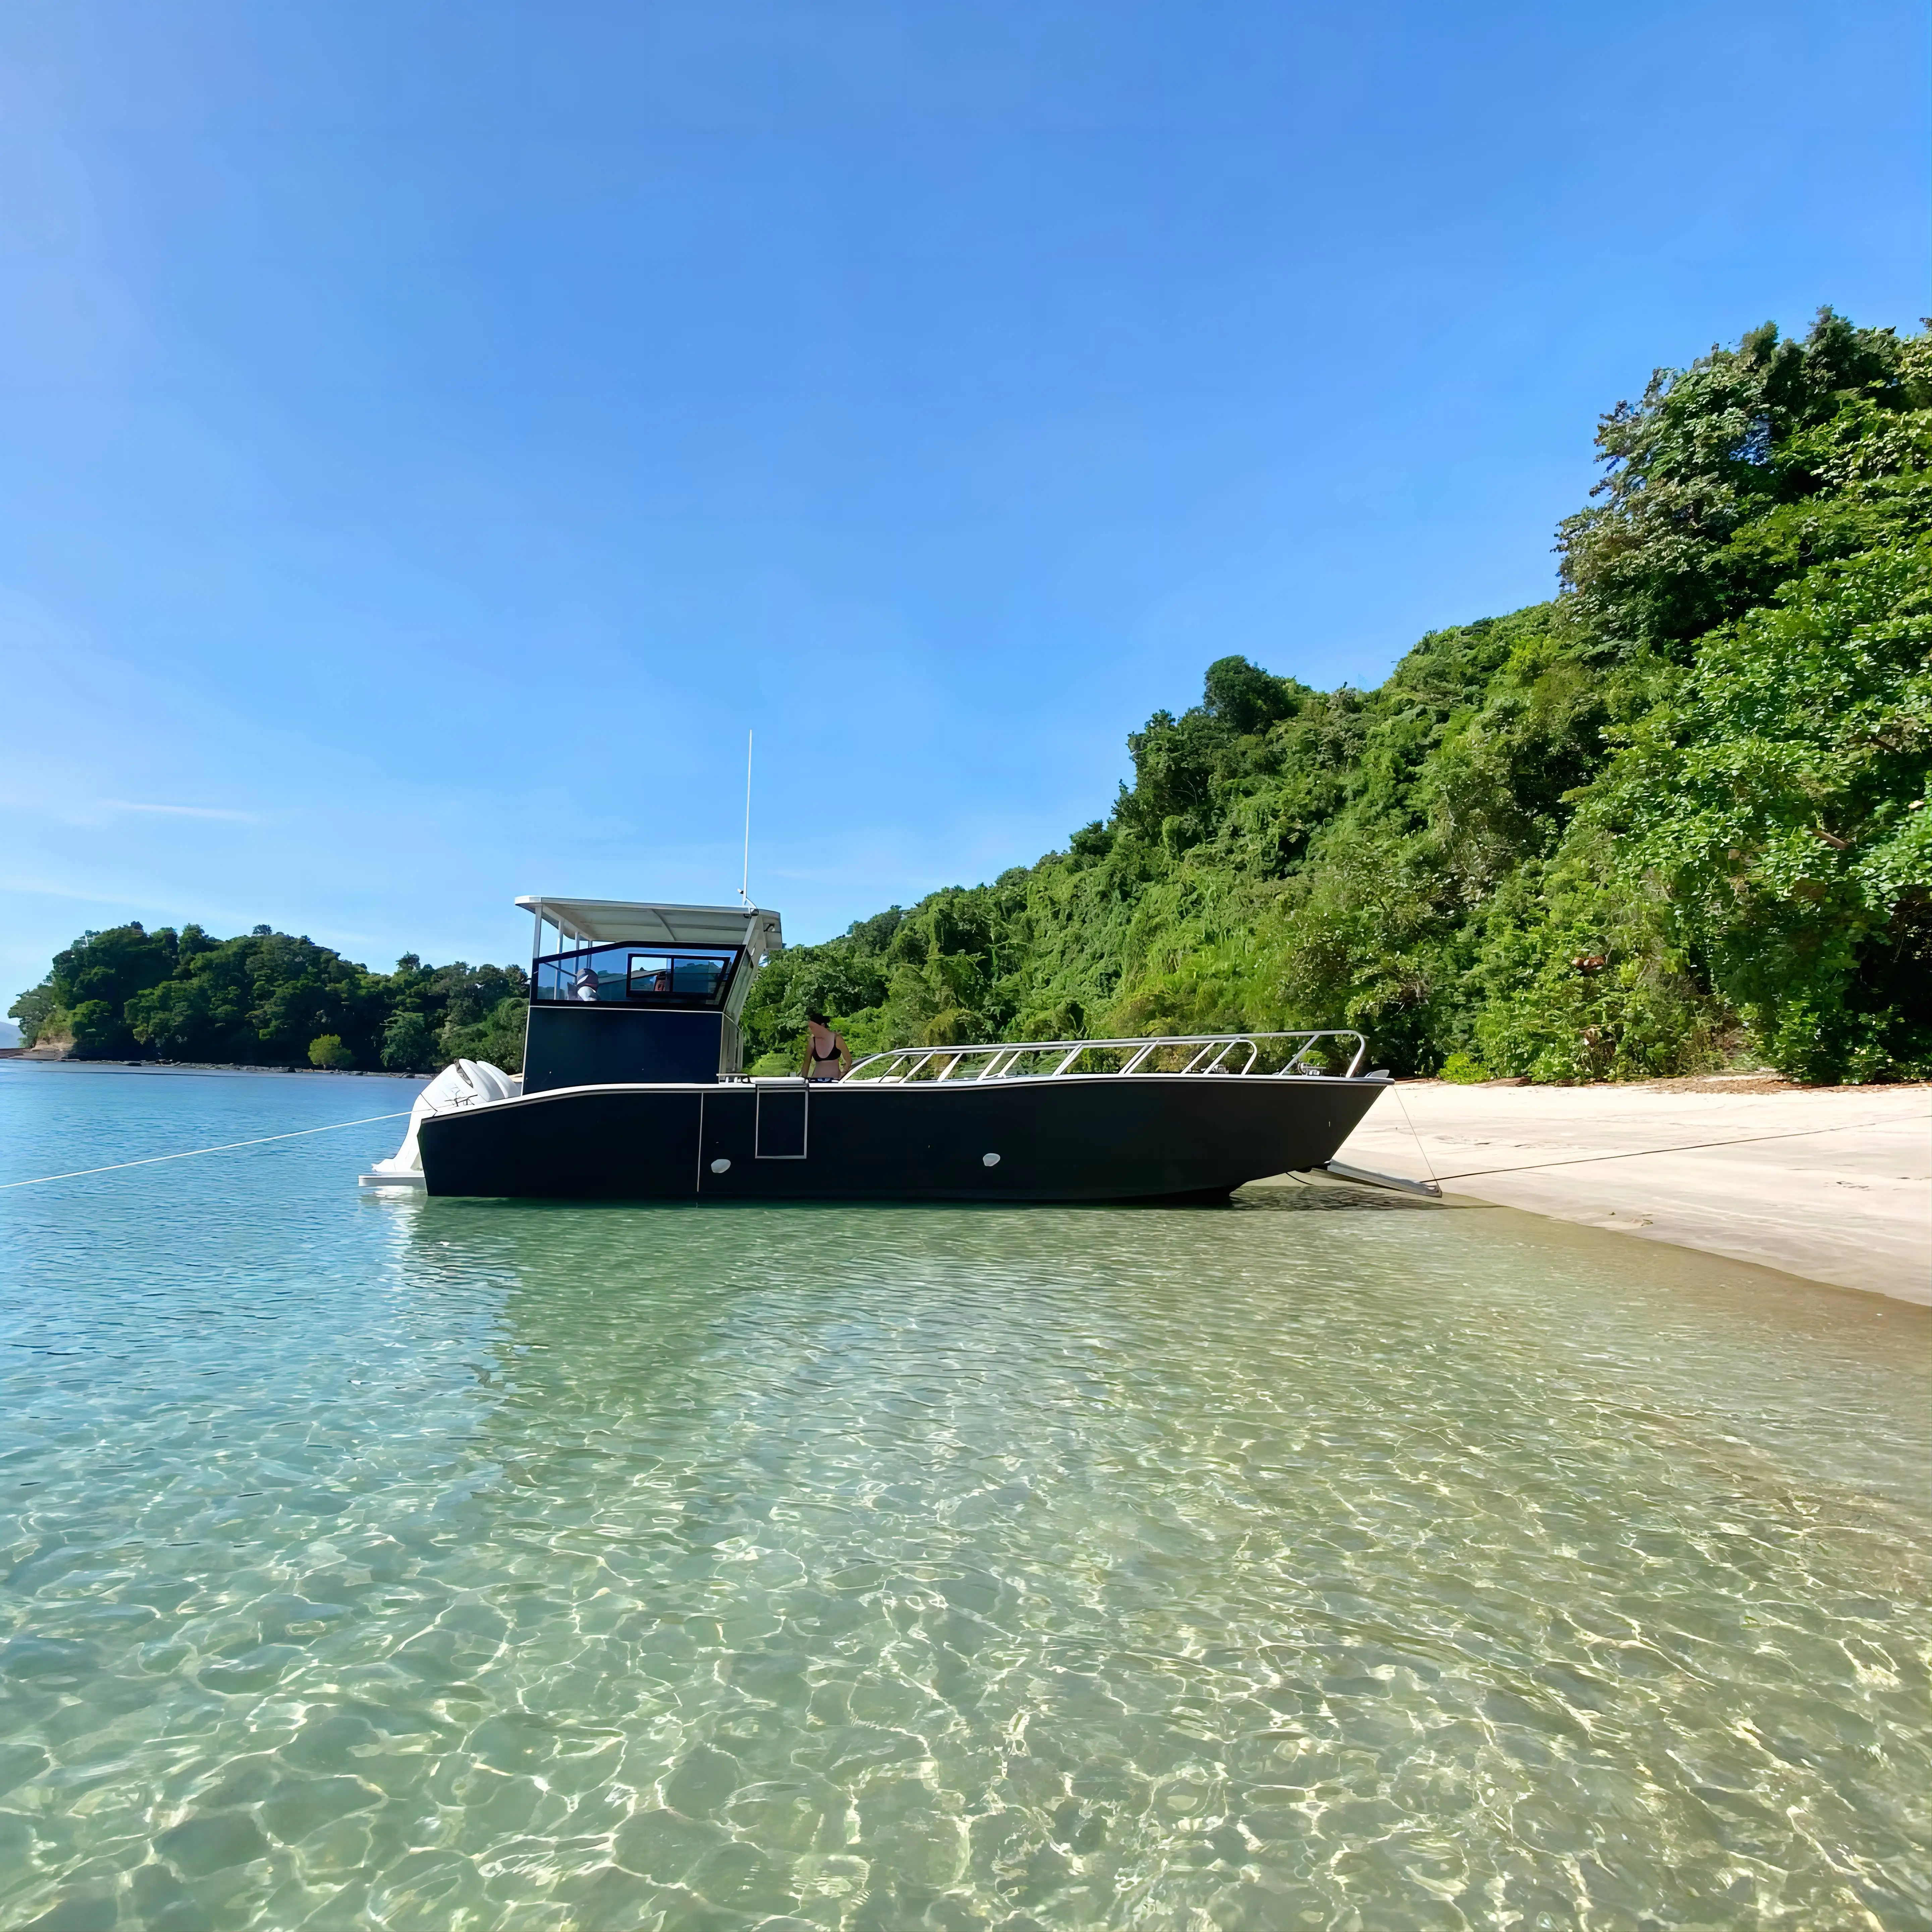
(1212, 1054)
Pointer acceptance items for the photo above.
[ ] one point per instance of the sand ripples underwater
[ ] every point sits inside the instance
(1315, 1563)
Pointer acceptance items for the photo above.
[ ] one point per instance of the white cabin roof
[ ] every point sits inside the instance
(626, 922)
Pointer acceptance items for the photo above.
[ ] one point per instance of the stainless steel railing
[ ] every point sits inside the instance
(1027, 1060)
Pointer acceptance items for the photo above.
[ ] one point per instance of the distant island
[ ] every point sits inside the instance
(268, 999)
(1673, 820)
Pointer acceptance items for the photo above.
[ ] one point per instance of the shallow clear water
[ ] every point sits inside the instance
(1325, 1561)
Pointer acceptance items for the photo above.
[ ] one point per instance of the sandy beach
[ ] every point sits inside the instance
(1834, 1184)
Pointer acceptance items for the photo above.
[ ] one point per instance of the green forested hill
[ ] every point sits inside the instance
(1670, 820)
(269, 999)
(1673, 818)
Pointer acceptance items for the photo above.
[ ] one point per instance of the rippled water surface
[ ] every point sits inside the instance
(1323, 1561)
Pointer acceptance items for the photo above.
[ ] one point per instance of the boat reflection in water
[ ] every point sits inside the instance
(633, 1089)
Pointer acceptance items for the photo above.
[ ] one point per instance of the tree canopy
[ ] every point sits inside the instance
(266, 998)
(1673, 819)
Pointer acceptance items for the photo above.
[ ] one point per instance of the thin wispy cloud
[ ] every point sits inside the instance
(176, 811)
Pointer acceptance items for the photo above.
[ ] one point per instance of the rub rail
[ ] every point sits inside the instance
(1025, 1060)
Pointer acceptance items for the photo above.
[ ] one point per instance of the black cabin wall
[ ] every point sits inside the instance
(573, 1046)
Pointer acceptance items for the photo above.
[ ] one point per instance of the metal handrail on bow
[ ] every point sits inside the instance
(1003, 1061)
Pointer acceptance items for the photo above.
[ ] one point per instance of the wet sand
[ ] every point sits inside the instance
(1833, 1184)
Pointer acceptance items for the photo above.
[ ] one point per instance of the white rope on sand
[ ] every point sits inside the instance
(1428, 1165)
(227, 1146)
(1686, 1147)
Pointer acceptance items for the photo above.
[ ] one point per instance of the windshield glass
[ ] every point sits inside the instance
(672, 976)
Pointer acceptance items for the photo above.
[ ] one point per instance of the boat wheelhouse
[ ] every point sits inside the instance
(627, 993)
(634, 1088)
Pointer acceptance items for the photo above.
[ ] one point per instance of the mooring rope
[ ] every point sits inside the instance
(1686, 1147)
(1428, 1165)
(227, 1146)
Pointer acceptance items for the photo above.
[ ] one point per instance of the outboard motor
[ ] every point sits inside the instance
(465, 1083)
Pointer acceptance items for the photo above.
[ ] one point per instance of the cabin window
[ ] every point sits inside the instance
(675, 976)
(696, 976)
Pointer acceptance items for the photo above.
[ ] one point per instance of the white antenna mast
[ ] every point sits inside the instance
(745, 890)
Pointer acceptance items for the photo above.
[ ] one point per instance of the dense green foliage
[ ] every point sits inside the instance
(266, 999)
(1671, 820)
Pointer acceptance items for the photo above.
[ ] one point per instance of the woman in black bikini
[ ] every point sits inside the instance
(826, 1055)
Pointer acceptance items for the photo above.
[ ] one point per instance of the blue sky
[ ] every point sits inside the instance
(434, 434)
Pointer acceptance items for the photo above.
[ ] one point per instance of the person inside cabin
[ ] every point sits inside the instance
(584, 986)
(826, 1055)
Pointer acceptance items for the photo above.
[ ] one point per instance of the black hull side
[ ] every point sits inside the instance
(1102, 1138)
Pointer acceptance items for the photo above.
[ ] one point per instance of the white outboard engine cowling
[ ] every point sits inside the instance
(464, 1083)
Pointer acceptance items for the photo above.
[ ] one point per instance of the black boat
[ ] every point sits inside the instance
(632, 1090)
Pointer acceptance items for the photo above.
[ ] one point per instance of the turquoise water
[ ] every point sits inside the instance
(1327, 1561)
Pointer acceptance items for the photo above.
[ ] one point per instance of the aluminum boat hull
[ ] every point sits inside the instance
(1070, 1137)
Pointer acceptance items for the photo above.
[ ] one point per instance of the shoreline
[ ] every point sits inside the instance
(1828, 1184)
(29, 1058)
(1831, 1184)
